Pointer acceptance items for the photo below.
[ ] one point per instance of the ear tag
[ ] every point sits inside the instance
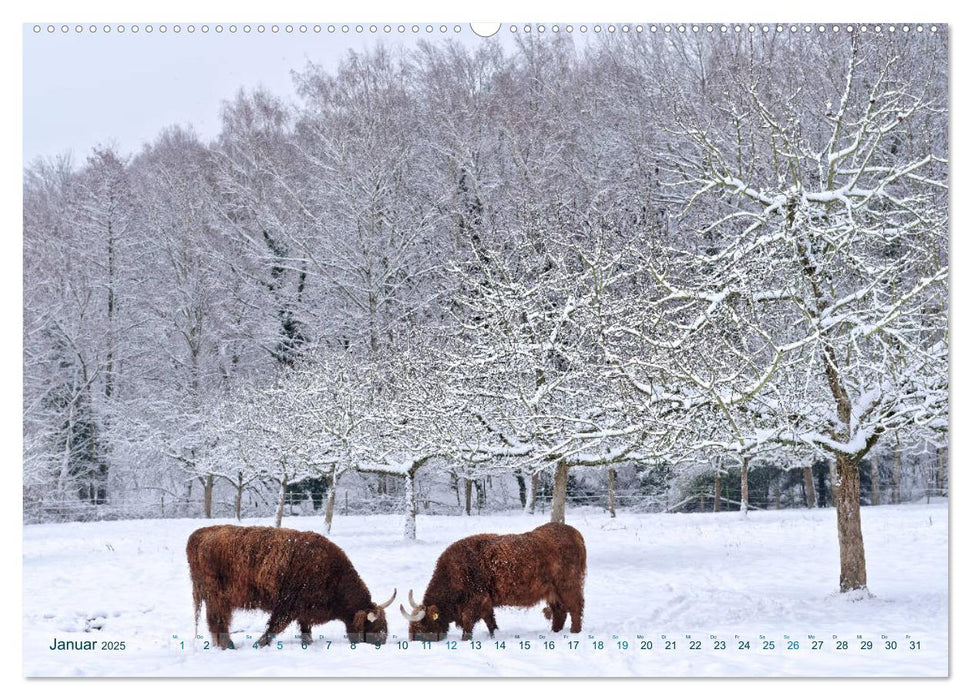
(371, 617)
(435, 616)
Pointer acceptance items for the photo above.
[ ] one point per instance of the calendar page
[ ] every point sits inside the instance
(479, 350)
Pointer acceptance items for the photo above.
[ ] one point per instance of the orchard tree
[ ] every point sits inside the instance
(332, 394)
(283, 445)
(837, 200)
(411, 420)
(529, 359)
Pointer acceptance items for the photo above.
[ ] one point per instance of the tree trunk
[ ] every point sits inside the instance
(372, 319)
(331, 499)
(468, 496)
(283, 498)
(611, 478)
(558, 506)
(895, 475)
(718, 492)
(744, 476)
(807, 477)
(522, 489)
(533, 484)
(91, 488)
(822, 490)
(874, 481)
(847, 498)
(778, 496)
(411, 506)
(207, 495)
(238, 504)
(65, 471)
(941, 470)
(110, 357)
(480, 495)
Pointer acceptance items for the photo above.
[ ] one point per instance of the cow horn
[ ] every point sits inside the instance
(411, 599)
(390, 600)
(414, 617)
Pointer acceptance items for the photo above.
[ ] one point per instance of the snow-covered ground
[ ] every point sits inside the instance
(657, 587)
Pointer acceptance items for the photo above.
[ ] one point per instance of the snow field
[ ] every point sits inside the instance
(661, 583)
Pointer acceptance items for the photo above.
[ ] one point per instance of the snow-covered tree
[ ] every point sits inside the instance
(77, 252)
(829, 226)
(333, 394)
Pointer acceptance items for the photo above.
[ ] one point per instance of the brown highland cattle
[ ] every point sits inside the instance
(293, 575)
(482, 572)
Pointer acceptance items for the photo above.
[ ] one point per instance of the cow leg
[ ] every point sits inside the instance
(557, 613)
(576, 613)
(467, 622)
(305, 635)
(488, 615)
(218, 619)
(277, 623)
(490, 620)
(571, 600)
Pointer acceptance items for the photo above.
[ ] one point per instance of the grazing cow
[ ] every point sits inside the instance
(482, 572)
(293, 575)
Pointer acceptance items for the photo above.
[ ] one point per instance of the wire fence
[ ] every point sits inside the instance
(441, 493)
(628, 500)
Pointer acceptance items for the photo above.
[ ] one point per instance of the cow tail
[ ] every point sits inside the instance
(197, 604)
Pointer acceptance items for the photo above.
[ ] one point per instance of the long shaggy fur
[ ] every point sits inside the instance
(293, 575)
(482, 572)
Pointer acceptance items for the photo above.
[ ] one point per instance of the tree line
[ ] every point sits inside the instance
(657, 250)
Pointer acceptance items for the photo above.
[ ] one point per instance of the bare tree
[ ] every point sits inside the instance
(847, 224)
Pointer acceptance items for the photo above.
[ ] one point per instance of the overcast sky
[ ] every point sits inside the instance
(82, 90)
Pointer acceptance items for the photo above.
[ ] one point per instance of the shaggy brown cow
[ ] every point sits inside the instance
(293, 575)
(482, 572)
